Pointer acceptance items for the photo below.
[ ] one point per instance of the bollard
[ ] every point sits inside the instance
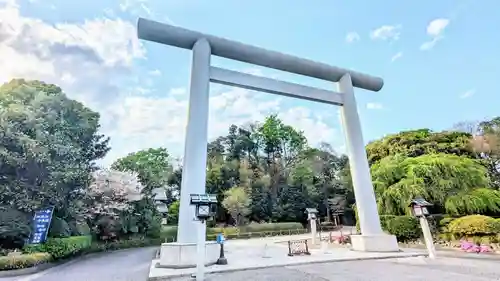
(222, 259)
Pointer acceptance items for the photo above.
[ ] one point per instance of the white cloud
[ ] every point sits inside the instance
(352, 37)
(386, 33)
(435, 30)
(437, 26)
(91, 61)
(94, 62)
(396, 56)
(142, 8)
(178, 91)
(374, 105)
(151, 121)
(88, 60)
(468, 94)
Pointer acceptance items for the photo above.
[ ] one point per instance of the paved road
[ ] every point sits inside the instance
(126, 265)
(411, 269)
(133, 265)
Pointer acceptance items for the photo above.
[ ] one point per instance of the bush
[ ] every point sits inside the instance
(260, 227)
(23, 261)
(168, 233)
(82, 229)
(246, 231)
(227, 231)
(248, 235)
(15, 228)
(405, 228)
(60, 248)
(384, 221)
(59, 228)
(443, 224)
(135, 242)
(173, 213)
(474, 225)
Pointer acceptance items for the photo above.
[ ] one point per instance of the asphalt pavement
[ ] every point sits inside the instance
(408, 269)
(124, 265)
(133, 265)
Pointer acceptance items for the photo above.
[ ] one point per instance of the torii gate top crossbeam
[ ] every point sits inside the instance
(184, 38)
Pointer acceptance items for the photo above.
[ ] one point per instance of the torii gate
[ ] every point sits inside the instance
(203, 46)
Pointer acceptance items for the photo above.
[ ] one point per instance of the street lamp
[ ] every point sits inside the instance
(419, 209)
(311, 216)
(206, 205)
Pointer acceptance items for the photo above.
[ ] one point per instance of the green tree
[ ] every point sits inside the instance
(237, 203)
(443, 179)
(48, 147)
(415, 143)
(152, 166)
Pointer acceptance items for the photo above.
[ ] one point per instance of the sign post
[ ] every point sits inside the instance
(41, 225)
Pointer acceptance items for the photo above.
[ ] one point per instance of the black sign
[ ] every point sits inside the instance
(41, 224)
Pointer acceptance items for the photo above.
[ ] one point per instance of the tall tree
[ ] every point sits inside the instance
(485, 143)
(415, 143)
(48, 147)
(152, 166)
(237, 203)
(443, 179)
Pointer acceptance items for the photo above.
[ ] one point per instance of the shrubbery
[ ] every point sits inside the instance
(169, 233)
(23, 260)
(405, 228)
(134, 242)
(474, 225)
(260, 227)
(60, 248)
(15, 228)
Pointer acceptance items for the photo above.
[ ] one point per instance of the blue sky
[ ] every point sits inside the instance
(439, 60)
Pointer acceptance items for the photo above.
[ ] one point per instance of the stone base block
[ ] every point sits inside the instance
(375, 243)
(183, 255)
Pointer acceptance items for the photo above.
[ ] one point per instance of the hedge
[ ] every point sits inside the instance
(60, 248)
(245, 231)
(23, 261)
(473, 225)
(405, 228)
(134, 242)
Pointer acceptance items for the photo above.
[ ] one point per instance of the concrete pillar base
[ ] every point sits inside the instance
(375, 243)
(183, 255)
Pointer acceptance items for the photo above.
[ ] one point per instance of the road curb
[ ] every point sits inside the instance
(229, 270)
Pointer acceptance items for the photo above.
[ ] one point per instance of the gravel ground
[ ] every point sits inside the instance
(411, 269)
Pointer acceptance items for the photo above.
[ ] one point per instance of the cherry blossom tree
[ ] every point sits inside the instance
(109, 197)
